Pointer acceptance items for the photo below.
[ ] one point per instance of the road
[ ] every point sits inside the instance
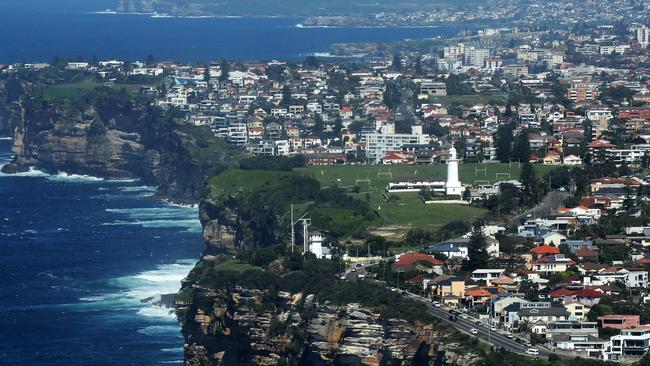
(483, 332)
(552, 201)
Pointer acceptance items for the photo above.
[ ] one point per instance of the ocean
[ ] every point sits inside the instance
(82, 262)
(37, 33)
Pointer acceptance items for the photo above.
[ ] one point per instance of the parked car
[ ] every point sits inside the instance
(532, 351)
(509, 335)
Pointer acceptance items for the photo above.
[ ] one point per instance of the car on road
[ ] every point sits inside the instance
(436, 304)
(453, 318)
(509, 335)
(478, 322)
(473, 331)
(464, 316)
(532, 351)
(493, 329)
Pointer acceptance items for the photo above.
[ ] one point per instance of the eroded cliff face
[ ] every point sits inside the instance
(220, 227)
(57, 137)
(9, 108)
(239, 328)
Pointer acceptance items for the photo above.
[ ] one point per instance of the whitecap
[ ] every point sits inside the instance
(192, 225)
(63, 176)
(160, 329)
(4, 138)
(158, 312)
(93, 298)
(32, 172)
(173, 350)
(138, 189)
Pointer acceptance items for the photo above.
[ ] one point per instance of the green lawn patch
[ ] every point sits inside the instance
(78, 89)
(233, 180)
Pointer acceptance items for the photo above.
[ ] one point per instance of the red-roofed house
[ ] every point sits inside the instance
(394, 157)
(588, 296)
(417, 261)
(479, 295)
(619, 321)
(587, 255)
(552, 158)
(544, 250)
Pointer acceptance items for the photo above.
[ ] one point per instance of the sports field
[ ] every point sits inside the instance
(403, 211)
(378, 176)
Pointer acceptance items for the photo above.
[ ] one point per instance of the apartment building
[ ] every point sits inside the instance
(379, 143)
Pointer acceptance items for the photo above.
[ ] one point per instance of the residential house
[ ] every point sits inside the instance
(486, 276)
(619, 321)
(409, 262)
(630, 342)
(552, 264)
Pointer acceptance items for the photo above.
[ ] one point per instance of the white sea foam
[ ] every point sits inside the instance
(148, 189)
(192, 225)
(63, 176)
(169, 216)
(173, 350)
(141, 293)
(32, 172)
(6, 138)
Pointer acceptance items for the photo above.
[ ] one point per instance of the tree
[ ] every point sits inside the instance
(530, 290)
(225, 70)
(529, 183)
(311, 61)
(397, 61)
(477, 250)
(392, 95)
(150, 60)
(521, 147)
(503, 142)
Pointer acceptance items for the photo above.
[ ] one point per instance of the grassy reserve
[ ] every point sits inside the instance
(398, 212)
(79, 88)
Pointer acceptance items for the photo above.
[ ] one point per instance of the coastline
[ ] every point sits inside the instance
(119, 276)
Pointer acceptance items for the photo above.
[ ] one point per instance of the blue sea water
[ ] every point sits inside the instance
(38, 30)
(82, 261)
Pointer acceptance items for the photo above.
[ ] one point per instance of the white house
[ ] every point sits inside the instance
(554, 238)
(631, 342)
(572, 160)
(487, 275)
(552, 264)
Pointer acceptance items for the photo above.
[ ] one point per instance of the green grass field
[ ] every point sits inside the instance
(381, 175)
(406, 210)
(80, 88)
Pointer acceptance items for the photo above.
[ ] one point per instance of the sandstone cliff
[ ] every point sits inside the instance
(129, 141)
(236, 328)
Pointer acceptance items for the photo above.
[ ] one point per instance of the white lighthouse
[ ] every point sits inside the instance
(453, 187)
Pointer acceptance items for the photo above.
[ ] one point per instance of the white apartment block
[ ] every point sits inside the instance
(643, 36)
(633, 342)
(378, 144)
(237, 133)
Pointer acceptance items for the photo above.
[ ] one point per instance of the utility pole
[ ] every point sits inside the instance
(293, 230)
